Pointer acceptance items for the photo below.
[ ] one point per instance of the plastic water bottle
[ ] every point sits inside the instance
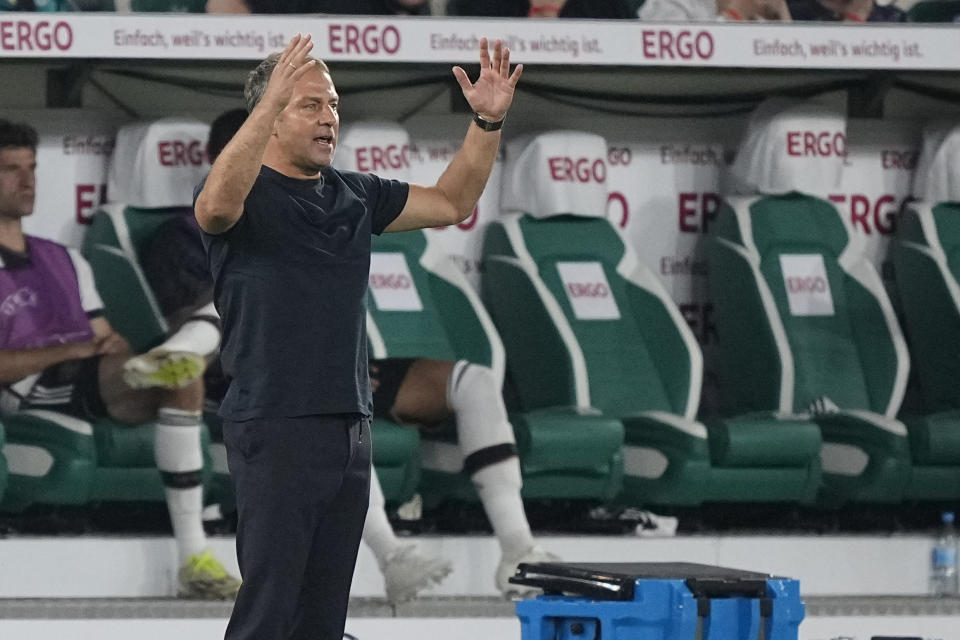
(943, 560)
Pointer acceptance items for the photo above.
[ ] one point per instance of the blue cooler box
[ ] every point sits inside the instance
(656, 601)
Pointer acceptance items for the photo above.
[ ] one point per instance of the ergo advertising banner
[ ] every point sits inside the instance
(576, 42)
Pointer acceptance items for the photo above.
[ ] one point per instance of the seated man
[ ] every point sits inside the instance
(57, 351)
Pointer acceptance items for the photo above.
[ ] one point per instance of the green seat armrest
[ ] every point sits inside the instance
(935, 439)
(649, 430)
(566, 438)
(763, 440)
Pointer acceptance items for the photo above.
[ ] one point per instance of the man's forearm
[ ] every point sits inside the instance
(465, 178)
(220, 203)
(16, 364)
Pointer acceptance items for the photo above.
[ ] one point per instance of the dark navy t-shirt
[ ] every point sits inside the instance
(290, 281)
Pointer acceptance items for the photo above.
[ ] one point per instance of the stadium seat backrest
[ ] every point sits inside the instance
(620, 344)
(790, 147)
(822, 305)
(153, 172)
(419, 303)
(927, 260)
(933, 219)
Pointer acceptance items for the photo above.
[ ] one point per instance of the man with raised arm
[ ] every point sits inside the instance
(288, 239)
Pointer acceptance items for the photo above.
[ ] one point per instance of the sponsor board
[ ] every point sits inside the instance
(622, 42)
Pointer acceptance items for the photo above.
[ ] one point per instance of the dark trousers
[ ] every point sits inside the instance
(302, 487)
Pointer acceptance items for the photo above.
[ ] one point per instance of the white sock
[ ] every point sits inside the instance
(377, 531)
(499, 488)
(200, 334)
(486, 441)
(179, 457)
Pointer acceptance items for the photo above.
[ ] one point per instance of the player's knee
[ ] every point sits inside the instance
(472, 386)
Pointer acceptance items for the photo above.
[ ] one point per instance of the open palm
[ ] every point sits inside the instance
(492, 93)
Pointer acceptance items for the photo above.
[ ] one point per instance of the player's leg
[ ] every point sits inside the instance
(179, 457)
(489, 450)
(433, 391)
(406, 571)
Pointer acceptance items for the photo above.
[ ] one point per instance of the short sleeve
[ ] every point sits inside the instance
(197, 189)
(89, 296)
(387, 197)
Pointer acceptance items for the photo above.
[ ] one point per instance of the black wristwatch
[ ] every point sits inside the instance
(486, 125)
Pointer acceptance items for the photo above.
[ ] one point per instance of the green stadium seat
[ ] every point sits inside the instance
(586, 326)
(420, 305)
(927, 266)
(564, 454)
(806, 321)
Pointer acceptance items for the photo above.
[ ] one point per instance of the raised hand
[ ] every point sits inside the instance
(491, 95)
(292, 64)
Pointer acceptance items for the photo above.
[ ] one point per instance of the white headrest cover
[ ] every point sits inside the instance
(937, 176)
(382, 148)
(158, 164)
(556, 173)
(791, 146)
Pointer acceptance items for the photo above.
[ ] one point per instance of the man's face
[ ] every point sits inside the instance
(18, 180)
(308, 127)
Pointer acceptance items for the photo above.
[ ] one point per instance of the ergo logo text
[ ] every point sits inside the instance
(816, 144)
(382, 158)
(180, 153)
(804, 284)
(565, 169)
(21, 35)
(696, 210)
(371, 39)
(87, 201)
(588, 290)
(389, 281)
(663, 44)
(882, 213)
